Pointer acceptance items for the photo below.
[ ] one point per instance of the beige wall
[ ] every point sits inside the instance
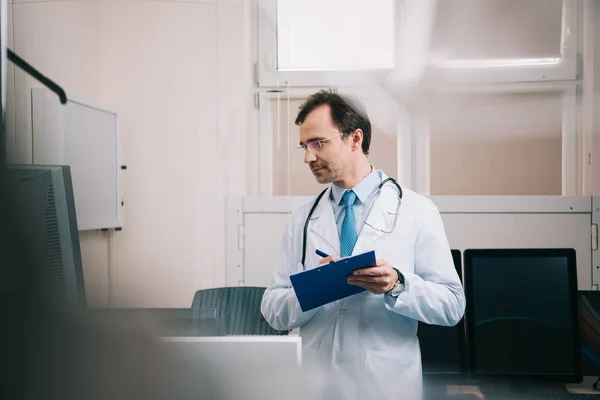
(524, 167)
(179, 76)
(496, 144)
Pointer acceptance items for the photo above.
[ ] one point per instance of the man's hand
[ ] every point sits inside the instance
(328, 259)
(377, 280)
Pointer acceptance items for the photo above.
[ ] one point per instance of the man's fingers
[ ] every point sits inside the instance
(328, 259)
(375, 289)
(372, 271)
(380, 262)
(374, 280)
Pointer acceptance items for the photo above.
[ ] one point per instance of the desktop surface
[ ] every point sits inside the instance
(241, 351)
(180, 322)
(516, 396)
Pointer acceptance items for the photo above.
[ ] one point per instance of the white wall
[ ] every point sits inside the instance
(179, 75)
(591, 95)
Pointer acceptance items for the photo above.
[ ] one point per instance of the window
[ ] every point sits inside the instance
(335, 35)
(353, 42)
(499, 29)
(504, 41)
(325, 43)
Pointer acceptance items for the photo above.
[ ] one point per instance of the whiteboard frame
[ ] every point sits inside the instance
(109, 222)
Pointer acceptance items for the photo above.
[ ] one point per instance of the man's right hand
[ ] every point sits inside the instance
(328, 259)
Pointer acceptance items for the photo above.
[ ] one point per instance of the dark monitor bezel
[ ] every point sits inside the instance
(462, 347)
(462, 337)
(584, 293)
(570, 255)
(74, 230)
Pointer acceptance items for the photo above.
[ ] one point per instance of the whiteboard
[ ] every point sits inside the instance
(470, 222)
(87, 138)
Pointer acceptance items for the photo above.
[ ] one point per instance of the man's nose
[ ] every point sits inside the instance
(309, 156)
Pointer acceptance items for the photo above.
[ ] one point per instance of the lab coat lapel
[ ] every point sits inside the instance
(379, 217)
(323, 224)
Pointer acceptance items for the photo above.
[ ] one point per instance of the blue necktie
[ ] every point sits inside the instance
(348, 234)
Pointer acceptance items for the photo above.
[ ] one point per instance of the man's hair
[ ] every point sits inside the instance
(347, 114)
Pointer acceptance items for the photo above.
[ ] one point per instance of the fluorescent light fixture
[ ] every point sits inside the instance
(500, 63)
(348, 69)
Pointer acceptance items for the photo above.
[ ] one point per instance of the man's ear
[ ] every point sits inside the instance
(357, 138)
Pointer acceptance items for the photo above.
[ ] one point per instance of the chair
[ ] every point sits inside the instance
(238, 309)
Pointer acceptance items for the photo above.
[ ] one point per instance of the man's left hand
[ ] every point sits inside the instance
(377, 280)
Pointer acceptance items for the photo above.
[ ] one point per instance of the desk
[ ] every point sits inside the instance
(249, 351)
(455, 391)
(250, 367)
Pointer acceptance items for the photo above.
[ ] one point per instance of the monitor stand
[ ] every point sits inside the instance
(520, 387)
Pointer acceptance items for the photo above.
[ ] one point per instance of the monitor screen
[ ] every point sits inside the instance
(47, 219)
(522, 313)
(443, 347)
(589, 332)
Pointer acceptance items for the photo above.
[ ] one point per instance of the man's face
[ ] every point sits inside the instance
(331, 162)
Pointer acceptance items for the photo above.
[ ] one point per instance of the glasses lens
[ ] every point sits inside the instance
(316, 145)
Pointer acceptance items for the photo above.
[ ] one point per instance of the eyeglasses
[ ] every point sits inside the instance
(315, 145)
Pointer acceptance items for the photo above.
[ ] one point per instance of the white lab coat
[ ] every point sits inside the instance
(372, 339)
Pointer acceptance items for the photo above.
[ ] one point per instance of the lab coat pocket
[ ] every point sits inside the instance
(385, 361)
(391, 371)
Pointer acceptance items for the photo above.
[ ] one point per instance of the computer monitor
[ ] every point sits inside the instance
(45, 209)
(522, 314)
(589, 332)
(443, 347)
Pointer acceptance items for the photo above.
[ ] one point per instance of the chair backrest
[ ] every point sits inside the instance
(238, 309)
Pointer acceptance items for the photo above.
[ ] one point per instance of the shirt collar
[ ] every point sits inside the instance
(362, 189)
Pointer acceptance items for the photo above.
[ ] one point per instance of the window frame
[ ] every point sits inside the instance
(566, 67)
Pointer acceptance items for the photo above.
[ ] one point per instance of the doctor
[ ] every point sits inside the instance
(370, 337)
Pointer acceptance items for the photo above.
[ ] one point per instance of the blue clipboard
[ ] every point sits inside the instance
(326, 283)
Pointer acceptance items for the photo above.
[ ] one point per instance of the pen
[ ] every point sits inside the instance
(319, 252)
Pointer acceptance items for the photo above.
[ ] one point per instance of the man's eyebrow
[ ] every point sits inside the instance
(312, 140)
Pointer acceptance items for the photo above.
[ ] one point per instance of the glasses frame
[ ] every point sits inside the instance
(316, 145)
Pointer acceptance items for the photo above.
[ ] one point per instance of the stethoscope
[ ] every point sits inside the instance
(373, 196)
